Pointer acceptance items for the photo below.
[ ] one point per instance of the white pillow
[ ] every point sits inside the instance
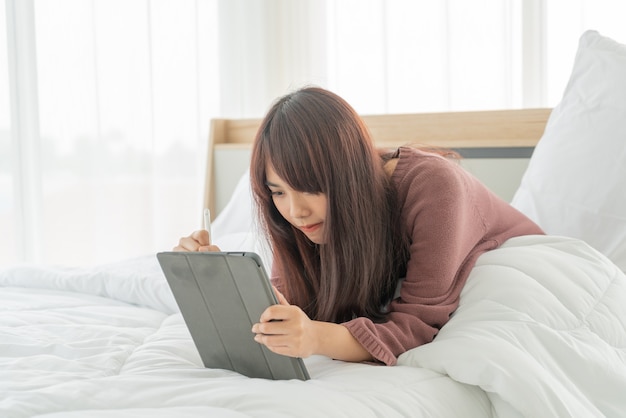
(575, 184)
(236, 217)
(236, 227)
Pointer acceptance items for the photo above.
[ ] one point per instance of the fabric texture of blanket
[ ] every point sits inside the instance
(540, 331)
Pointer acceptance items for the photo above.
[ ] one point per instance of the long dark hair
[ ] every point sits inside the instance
(317, 143)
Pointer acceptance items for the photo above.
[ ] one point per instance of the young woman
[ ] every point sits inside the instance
(371, 248)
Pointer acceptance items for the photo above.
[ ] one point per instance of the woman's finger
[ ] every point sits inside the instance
(187, 244)
(273, 340)
(278, 313)
(281, 298)
(194, 242)
(201, 236)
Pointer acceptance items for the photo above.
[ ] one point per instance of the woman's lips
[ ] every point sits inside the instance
(307, 229)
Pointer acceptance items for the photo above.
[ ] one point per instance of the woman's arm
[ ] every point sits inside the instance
(285, 329)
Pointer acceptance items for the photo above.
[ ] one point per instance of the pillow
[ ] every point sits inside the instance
(236, 217)
(236, 229)
(575, 184)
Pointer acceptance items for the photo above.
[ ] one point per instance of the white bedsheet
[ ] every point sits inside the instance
(541, 331)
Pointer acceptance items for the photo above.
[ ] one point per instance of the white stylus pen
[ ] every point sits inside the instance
(207, 222)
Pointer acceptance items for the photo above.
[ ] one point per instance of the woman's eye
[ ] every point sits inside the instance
(275, 193)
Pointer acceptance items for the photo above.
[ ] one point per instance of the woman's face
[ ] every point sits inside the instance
(305, 211)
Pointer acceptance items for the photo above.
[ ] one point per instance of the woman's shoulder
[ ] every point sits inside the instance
(411, 161)
(421, 176)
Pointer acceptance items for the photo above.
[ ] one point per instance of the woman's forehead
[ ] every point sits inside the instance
(271, 176)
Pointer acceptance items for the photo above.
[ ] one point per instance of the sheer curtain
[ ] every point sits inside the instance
(120, 93)
(105, 104)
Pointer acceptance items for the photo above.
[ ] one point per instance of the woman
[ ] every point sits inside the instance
(371, 248)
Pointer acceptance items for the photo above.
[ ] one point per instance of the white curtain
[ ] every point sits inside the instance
(121, 92)
(105, 104)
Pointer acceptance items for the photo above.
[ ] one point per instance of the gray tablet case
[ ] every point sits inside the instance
(220, 296)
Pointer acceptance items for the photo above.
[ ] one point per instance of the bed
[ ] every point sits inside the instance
(540, 330)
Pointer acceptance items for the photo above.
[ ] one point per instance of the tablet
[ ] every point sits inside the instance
(220, 296)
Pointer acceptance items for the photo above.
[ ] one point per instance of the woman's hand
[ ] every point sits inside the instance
(285, 329)
(197, 241)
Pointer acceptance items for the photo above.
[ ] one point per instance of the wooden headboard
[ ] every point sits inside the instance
(476, 134)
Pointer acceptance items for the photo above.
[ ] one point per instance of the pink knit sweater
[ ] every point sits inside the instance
(451, 218)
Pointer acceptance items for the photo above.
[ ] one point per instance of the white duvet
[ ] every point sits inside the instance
(540, 332)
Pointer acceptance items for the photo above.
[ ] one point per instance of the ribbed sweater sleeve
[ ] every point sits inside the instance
(451, 219)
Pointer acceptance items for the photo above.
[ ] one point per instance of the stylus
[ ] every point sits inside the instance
(207, 222)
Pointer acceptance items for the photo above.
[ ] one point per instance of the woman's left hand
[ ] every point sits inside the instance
(285, 329)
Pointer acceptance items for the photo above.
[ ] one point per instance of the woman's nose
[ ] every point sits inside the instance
(298, 207)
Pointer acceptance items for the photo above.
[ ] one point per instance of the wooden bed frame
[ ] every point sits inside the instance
(476, 134)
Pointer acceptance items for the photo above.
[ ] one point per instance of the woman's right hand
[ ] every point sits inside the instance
(197, 241)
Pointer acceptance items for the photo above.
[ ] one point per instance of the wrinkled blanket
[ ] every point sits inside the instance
(540, 331)
(541, 328)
